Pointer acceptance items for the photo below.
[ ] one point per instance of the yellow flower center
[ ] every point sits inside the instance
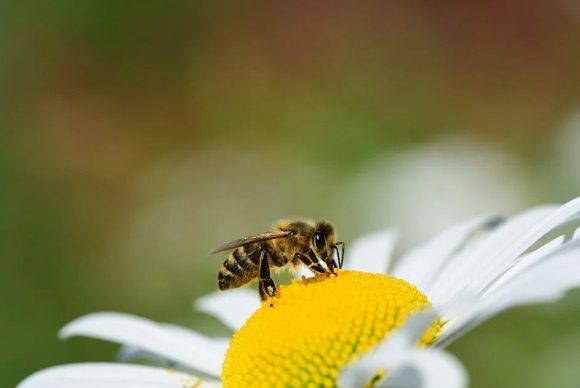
(314, 327)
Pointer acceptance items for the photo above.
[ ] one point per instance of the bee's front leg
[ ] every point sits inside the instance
(340, 257)
(267, 287)
(312, 262)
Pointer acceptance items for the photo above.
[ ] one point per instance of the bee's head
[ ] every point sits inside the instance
(324, 241)
(311, 238)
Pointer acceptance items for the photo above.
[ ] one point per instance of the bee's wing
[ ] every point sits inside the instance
(248, 240)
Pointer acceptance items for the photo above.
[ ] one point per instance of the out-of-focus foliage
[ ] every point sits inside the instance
(136, 136)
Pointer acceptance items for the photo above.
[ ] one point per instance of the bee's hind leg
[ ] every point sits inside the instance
(267, 286)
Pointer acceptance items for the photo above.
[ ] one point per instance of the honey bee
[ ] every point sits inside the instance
(291, 243)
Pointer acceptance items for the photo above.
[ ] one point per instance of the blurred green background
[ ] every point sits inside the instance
(136, 136)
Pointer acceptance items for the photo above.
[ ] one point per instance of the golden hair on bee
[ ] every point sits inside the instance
(291, 242)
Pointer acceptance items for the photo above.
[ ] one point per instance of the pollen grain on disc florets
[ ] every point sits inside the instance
(303, 336)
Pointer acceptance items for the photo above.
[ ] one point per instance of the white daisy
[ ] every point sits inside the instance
(192, 351)
(330, 330)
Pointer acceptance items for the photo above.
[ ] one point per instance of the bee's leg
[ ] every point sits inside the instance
(339, 256)
(266, 286)
(329, 270)
(311, 264)
(332, 265)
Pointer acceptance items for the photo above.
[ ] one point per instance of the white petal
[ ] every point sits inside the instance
(303, 271)
(511, 254)
(422, 265)
(372, 252)
(232, 307)
(184, 347)
(129, 353)
(104, 375)
(546, 281)
(497, 250)
(527, 261)
(407, 366)
(427, 368)
(576, 234)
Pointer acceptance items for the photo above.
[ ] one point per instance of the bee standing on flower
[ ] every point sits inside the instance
(293, 242)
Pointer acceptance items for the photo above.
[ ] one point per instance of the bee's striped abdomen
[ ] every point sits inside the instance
(240, 267)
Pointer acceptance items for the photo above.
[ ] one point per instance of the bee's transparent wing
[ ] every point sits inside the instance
(249, 240)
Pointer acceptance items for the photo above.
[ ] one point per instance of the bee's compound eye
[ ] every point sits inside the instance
(319, 241)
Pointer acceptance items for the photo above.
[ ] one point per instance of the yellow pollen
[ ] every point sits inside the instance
(304, 336)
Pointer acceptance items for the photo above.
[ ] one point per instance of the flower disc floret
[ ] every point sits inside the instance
(303, 336)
